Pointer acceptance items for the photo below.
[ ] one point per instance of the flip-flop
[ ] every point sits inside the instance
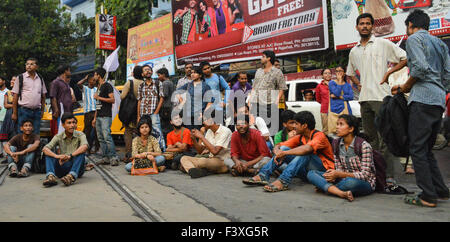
(417, 201)
(251, 181)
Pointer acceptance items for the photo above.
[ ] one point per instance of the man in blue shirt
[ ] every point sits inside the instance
(429, 66)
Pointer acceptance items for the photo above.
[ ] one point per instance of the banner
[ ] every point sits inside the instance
(221, 31)
(105, 32)
(389, 15)
(151, 44)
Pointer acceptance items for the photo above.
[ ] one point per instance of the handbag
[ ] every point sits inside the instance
(142, 167)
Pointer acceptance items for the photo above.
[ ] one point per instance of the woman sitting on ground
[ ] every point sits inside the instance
(354, 175)
(146, 146)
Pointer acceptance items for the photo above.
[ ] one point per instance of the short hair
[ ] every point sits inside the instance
(308, 91)
(365, 15)
(163, 71)
(246, 119)
(61, 69)
(33, 59)
(287, 115)
(242, 73)
(26, 121)
(419, 19)
(90, 75)
(351, 121)
(147, 65)
(277, 60)
(203, 64)
(3, 78)
(101, 72)
(67, 116)
(145, 119)
(188, 63)
(271, 55)
(306, 117)
(137, 72)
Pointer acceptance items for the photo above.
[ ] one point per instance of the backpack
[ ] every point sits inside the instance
(392, 124)
(378, 160)
(21, 84)
(128, 107)
(39, 159)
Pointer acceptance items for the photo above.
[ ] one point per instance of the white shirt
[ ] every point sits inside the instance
(2, 96)
(222, 138)
(372, 63)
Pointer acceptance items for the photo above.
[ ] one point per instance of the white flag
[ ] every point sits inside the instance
(112, 61)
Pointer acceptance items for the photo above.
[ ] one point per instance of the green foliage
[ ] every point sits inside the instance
(35, 28)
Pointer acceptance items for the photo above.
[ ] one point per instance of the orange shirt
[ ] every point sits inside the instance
(320, 144)
(173, 138)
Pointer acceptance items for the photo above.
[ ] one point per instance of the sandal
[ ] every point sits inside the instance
(23, 173)
(89, 167)
(395, 190)
(251, 181)
(68, 180)
(13, 172)
(273, 188)
(418, 202)
(50, 181)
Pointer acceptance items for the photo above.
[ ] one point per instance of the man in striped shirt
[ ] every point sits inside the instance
(89, 104)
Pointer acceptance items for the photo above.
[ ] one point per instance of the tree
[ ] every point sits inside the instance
(35, 28)
(129, 13)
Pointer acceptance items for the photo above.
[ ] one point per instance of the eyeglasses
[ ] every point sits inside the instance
(339, 70)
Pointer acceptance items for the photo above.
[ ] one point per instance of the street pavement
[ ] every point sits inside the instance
(216, 198)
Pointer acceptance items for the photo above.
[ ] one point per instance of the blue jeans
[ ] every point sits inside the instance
(75, 166)
(25, 160)
(160, 161)
(296, 166)
(356, 186)
(35, 116)
(156, 125)
(103, 128)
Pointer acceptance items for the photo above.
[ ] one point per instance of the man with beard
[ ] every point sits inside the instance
(370, 57)
(249, 151)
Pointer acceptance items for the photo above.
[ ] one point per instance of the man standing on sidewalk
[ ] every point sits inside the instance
(187, 78)
(60, 93)
(268, 80)
(130, 129)
(150, 99)
(429, 66)
(103, 118)
(370, 56)
(216, 83)
(90, 106)
(29, 96)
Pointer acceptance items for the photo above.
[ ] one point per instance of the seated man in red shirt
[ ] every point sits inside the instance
(310, 150)
(178, 141)
(249, 151)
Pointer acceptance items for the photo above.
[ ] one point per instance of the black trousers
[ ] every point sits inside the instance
(423, 127)
(89, 131)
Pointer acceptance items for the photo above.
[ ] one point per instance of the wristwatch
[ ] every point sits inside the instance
(70, 156)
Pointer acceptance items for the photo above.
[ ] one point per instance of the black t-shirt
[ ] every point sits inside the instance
(18, 142)
(104, 109)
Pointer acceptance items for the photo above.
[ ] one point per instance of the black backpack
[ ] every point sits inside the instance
(39, 159)
(21, 84)
(392, 124)
(128, 107)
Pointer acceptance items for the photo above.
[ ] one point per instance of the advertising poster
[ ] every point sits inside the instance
(223, 31)
(389, 15)
(151, 44)
(105, 32)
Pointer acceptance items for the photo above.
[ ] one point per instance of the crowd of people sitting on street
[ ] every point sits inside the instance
(202, 126)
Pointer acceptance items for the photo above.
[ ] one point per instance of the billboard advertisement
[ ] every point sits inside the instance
(389, 15)
(105, 32)
(221, 31)
(151, 44)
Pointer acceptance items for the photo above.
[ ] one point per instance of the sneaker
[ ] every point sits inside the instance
(114, 161)
(103, 161)
(197, 172)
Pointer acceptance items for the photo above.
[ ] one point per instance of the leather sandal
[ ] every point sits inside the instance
(50, 181)
(68, 180)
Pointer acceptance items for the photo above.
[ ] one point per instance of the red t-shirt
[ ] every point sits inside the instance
(173, 138)
(255, 147)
